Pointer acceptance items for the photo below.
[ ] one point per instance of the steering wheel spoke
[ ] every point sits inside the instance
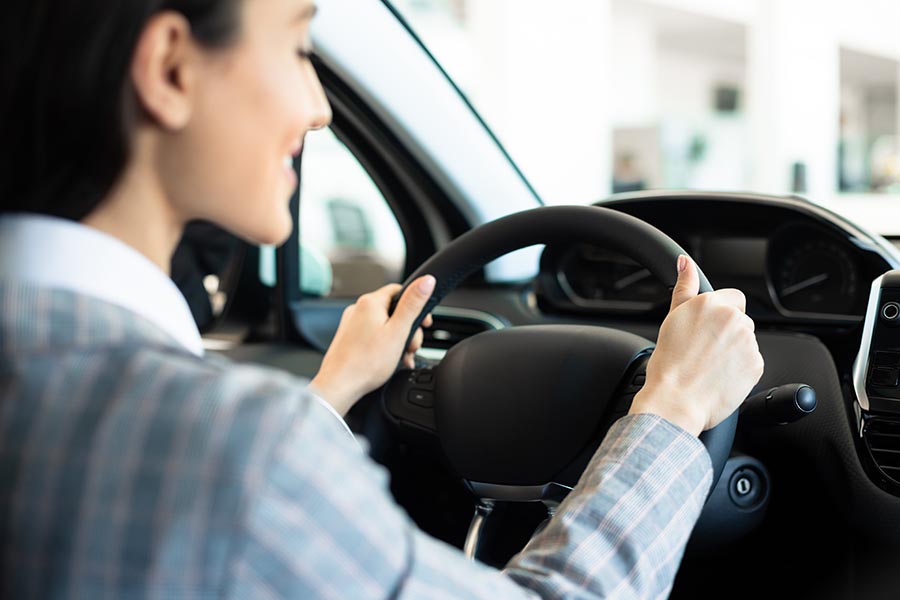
(409, 396)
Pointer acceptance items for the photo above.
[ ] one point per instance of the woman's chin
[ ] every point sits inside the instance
(277, 237)
(275, 232)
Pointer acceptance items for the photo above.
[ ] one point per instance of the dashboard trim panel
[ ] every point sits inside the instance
(861, 364)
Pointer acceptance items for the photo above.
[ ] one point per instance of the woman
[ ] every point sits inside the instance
(131, 464)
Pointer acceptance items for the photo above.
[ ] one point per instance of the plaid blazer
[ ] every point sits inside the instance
(130, 468)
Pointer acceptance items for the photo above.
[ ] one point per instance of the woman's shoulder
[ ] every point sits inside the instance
(216, 378)
(117, 397)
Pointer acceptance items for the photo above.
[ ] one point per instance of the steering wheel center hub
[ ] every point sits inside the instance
(517, 406)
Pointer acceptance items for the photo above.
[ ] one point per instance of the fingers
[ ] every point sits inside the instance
(428, 321)
(409, 356)
(732, 297)
(688, 283)
(416, 342)
(735, 303)
(382, 296)
(413, 302)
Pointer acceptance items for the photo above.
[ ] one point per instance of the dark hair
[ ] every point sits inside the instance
(67, 105)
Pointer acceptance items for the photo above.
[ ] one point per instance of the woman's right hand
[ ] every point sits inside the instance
(369, 341)
(706, 359)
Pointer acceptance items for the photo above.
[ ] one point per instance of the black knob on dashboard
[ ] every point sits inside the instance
(779, 405)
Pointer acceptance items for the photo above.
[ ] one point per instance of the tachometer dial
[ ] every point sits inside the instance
(599, 275)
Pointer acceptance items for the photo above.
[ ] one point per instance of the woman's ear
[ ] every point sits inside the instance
(163, 70)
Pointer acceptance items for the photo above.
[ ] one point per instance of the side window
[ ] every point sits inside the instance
(350, 241)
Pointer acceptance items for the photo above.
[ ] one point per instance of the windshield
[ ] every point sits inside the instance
(594, 97)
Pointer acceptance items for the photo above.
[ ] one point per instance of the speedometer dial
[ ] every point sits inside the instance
(815, 276)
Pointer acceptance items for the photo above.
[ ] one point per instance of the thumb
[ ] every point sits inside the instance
(413, 302)
(688, 283)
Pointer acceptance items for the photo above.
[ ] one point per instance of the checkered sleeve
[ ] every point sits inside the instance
(323, 525)
(622, 531)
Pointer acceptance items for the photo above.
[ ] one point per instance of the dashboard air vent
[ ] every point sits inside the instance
(882, 437)
(451, 326)
(447, 332)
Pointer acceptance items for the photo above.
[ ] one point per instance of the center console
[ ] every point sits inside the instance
(876, 377)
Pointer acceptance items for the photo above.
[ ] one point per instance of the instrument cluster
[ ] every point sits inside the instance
(796, 269)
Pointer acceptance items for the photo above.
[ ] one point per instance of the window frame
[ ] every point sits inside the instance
(426, 215)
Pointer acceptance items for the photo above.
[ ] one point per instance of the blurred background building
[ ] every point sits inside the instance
(596, 96)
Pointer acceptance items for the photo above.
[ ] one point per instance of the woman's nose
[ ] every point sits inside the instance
(321, 108)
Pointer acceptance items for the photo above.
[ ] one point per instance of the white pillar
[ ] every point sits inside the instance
(794, 95)
(545, 88)
(897, 115)
(634, 70)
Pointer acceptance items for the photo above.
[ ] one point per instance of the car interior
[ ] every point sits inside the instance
(807, 502)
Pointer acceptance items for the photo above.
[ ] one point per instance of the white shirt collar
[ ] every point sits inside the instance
(64, 254)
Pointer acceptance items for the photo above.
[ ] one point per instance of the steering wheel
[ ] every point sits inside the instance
(519, 412)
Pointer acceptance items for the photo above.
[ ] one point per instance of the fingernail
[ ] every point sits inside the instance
(682, 263)
(426, 285)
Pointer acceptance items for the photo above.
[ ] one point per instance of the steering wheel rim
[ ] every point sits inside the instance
(611, 229)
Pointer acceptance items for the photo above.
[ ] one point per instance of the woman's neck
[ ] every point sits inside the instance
(137, 213)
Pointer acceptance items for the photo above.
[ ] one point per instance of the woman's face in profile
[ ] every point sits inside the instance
(254, 102)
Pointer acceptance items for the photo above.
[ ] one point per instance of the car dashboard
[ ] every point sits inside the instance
(796, 263)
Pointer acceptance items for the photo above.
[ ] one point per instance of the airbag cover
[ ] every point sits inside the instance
(516, 406)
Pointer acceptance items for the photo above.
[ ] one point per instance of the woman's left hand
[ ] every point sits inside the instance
(368, 342)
